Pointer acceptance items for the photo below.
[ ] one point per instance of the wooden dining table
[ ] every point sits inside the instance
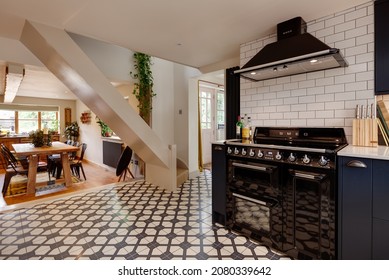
(33, 153)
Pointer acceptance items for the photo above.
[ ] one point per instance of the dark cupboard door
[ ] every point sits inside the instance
(355, 208)
(381, 53)
(219, 184)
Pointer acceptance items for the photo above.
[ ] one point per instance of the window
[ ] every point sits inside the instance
(7, 120)
(26, 121)
(206, 109)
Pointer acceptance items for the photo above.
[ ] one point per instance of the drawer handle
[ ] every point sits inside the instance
(357, 164)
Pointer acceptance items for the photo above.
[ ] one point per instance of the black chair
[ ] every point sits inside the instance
(54, 161)
(75, 166)
(123, 163)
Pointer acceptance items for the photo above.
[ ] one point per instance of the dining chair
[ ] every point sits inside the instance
(75, 166)
(10, 166)
(54, 161)
(124, 161)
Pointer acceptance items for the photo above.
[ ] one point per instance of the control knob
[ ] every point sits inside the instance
(229, 150)
(251, 153)
(260, 154)
(244, 152)
(292, 157)
(236, 151)
(323, 161)
(306, 159)
(278, 156)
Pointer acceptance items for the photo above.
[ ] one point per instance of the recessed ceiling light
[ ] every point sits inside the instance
(275, 69)
(313, 60)
(253, 73)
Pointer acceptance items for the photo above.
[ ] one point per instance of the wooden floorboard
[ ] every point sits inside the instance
(95, 175)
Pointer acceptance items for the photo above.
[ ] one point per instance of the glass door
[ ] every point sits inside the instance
(212, 117)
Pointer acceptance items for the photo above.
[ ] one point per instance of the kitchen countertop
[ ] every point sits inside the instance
(380, 152)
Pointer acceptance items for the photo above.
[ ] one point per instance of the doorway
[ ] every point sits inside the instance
(212, 117)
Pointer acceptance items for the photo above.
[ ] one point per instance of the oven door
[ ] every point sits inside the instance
(253, 201)
(310, 214)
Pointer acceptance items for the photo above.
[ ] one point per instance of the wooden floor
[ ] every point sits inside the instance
(95, 175)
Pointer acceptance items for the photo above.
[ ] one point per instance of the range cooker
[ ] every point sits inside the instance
(281, 189)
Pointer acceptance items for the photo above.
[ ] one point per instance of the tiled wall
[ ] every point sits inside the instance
(324, 98)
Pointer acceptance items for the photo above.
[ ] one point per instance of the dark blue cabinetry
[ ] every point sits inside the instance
(363, 208)
(219, 175)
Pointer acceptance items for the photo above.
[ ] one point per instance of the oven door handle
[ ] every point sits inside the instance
(253, 167)
(271, 202)
(311, 176)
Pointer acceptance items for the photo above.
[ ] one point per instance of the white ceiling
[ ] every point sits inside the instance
(204, 34)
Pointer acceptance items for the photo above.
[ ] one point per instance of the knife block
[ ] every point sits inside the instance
(365, 132)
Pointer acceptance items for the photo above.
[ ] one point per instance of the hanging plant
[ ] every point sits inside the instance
(143, 89)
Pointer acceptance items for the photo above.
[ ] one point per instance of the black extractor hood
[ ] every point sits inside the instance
(295, 52)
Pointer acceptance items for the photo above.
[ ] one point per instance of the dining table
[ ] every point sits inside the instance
(33, 153)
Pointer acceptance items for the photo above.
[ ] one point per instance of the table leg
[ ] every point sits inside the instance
(32, 170)
(66, 169)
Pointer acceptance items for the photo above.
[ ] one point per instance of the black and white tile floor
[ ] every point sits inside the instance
(131, 221)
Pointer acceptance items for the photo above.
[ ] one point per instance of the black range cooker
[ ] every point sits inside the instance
(281, 189)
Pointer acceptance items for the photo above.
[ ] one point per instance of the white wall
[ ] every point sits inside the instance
(324, 98)
(170, 86)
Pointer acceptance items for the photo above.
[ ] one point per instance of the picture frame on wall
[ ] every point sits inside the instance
(68, 116)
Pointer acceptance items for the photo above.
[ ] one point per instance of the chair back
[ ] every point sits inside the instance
(124, 160)
(9, 161)
(10, 154)
(83, 148)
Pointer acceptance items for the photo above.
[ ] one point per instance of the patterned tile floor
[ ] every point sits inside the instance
(131, 221)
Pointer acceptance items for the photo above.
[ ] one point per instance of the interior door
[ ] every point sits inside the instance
(212, 118)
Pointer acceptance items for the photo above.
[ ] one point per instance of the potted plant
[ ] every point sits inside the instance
(72, 131)
(38, 139)
(143, 89)
(105, 130)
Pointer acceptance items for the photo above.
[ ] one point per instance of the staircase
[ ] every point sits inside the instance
(65, 59)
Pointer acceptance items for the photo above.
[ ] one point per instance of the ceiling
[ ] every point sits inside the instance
(203, 34)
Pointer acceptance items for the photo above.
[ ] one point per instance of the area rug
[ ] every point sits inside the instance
(18, 184)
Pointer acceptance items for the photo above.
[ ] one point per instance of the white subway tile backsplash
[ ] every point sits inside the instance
(365, 21)
(356, 50)
(365, 39)
(334, 21)
(356, 86)
(299, 92)
(359, 31)
(283, 94)
(316, 106)
(365, 76)
(334, 105)
(325, 97)
(327, 114)
(356, 14)
(291, 100)
(307, 115)
(283, 108)
(307, 99)
(349, 78)
(334, 88)
(306, 84)
(283, 123)
(334, 122)
(325, 81)
(298, 123)
(322, 98)
(291, 115)
(345, 96)
(315, 122)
